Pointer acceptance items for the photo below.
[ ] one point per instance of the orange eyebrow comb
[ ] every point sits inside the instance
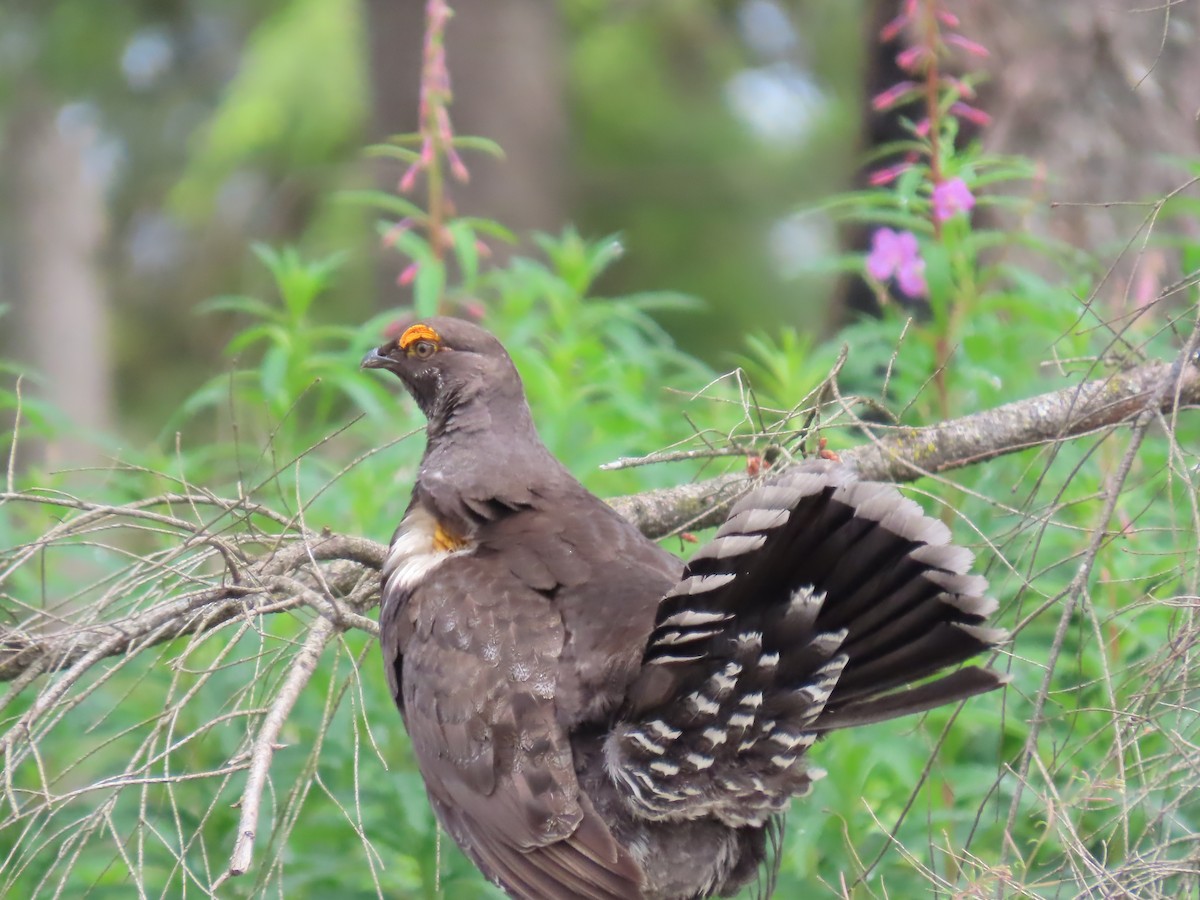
(415, 333)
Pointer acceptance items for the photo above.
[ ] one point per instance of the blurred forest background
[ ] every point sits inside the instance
(192, 262)
(146, 144)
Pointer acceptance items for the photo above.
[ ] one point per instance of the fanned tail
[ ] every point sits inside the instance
(822, 602)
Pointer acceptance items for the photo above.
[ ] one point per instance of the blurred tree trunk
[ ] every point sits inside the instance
(506, 60)
(1099, 94)
(61, 315)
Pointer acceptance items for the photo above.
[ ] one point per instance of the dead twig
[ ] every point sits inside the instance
(905, 454)
(304, 663)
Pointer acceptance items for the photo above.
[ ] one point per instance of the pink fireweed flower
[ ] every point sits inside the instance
(457, 169)
(897, 255)
(892, 29)
(947, 18)
(972, 114)
(968, 45)
(409, 180)
(893, 95)
(889, 31)
(409, 275)
(950, 198)
(912, 58)
(959, 86)
(887, 176)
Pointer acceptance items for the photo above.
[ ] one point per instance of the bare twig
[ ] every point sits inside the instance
(650, 459)
(904, 454)
(12, 446)
(304, 663)
(1153, 397)
(187, 613)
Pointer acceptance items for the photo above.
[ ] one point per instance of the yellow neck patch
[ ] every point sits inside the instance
(446, 541)
(419, 332)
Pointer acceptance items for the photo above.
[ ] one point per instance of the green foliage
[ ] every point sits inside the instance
(298, 99)
(599, 373)
(298, 362)
(37, 418)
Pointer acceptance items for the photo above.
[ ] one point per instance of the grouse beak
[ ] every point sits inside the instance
(374, 360)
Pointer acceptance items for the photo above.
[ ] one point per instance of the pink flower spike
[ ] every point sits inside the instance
(408, 275)
(484, 251)
(409, 180)
(972, 114)
(947, 18)
(897, 254)
(892, 29)
(893, 95)
(888, 175)
(921, 129)
(911, 58)
(443, 125)
(457, 169)
(968, 45)
(959, 87)
(951, 198)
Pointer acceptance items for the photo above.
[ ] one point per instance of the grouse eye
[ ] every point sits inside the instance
(423, 349)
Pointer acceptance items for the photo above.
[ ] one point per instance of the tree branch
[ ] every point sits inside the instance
(268, 586)
(905, 454)
(304, 663)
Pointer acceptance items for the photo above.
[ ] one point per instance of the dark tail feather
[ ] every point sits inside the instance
(822, 602)
(953, 688)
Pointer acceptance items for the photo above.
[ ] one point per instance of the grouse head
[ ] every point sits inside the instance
(460, 376)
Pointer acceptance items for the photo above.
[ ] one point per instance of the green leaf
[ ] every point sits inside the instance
(377, 199)
(474, 142)
(427, 287)
(661, 301)
(241, 303)
(391, 151)
(407, 137)
(247, 337)
(465, 250)
(939, 277)
(488, 227)
(367, 395)
(273, 376)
